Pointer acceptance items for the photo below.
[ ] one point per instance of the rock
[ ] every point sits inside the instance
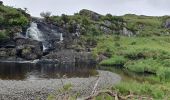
(17, 36)
(101, 57)
(93, 15)
(29, 49)
(7, 43)
(107, 23)
(2, 53)
(167, 23)
(106, 30)
(127, 32)
(70, 56)
(7, 52)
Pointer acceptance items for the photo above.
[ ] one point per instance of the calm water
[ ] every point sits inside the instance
(18, 71)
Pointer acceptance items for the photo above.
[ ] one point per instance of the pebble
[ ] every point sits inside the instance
(40, 89)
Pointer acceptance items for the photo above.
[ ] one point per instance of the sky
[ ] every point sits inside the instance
(114, 7)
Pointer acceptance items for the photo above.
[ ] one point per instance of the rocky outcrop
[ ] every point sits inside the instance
(167, 23)
(29, 49)
(71, 56)
(127, 32)
(106, 30)
(93, 15)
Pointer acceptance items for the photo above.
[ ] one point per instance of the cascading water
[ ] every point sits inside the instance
(34, 33)
(45, 33)
(61, 36)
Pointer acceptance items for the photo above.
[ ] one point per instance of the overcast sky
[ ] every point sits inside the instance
(115, 7)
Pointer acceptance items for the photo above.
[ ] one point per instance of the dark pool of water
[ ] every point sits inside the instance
(27, 71)
(127, 75)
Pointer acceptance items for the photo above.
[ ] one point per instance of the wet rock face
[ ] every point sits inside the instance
(7, 43)
(29, 49)
(7, 52)
(70, 56)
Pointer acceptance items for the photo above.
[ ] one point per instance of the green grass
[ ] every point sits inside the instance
(143, 89)
(145, 25)
(115, 60)
(145, 59)
(137, 54)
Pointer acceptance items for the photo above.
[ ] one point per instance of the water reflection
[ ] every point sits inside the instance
(27, 71)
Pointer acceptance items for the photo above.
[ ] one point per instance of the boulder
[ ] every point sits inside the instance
(93, 15)
(7, 43)
(107, 23)
(7, 52)
(167, 23)
(106, 30)
(29, 49)
(127, 32)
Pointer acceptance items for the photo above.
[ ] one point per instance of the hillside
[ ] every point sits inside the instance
(129, 24)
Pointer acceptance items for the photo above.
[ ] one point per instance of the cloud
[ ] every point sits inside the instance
(115, 7)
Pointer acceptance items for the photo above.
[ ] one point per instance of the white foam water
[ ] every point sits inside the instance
(34, 33)
(61, 36)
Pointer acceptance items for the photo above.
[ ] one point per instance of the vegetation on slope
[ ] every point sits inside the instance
(12, 20)
(146, 51)
(91, 23)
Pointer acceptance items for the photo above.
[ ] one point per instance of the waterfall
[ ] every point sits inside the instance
(34, 33)
(44, 33)
(61, 36)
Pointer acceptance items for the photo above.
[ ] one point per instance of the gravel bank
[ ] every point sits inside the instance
(33, 89)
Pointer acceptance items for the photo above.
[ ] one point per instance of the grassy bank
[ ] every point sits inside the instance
(139, 55)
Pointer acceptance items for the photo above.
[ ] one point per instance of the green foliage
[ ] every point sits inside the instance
(145, 25)
(145, 89)
(51, 97)
(115, 60)
(10, 18)
(67, 87)
(104, 96)
(149, 55)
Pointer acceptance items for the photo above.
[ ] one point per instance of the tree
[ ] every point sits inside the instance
(45, 15)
